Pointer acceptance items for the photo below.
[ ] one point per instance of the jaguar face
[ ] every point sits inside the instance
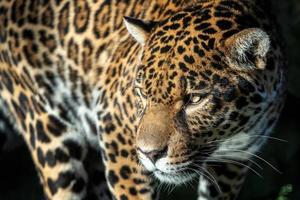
(193, 90)
(180, 119)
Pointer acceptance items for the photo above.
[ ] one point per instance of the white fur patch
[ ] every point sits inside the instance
(165, 172)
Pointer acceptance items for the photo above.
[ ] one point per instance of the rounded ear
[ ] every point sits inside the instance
(139, 29)
(247, 49)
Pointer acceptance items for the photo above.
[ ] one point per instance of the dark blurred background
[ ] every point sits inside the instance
(19, 181)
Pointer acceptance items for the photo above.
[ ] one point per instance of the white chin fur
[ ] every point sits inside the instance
(175, 179)
(163, 173)
(146, 162)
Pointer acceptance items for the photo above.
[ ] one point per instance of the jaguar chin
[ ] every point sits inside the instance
(176, 177)
(168, 171)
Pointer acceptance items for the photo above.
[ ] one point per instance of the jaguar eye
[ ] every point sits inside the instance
(139, 92)
(195, 99)
(141, 101)
(192, 99)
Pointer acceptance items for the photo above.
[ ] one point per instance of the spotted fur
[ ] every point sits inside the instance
(107, 111)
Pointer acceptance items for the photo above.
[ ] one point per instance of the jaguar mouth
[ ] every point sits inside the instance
(176, 178)
(186, 168)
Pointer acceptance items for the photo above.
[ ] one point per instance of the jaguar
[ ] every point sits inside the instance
(112, 97)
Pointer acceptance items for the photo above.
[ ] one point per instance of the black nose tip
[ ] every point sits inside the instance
(154, 155)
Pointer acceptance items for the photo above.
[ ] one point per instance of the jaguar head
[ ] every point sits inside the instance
(196, 85)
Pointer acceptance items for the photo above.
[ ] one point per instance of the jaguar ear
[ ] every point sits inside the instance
(139, 29)
(247, 50)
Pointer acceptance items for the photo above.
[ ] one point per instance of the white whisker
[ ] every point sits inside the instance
(254, 155)
(235, 162)
(208, 176)
(249, 136)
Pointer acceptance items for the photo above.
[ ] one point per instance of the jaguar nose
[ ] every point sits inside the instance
(155, 155)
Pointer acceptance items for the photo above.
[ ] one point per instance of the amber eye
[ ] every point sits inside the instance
(195, 99)
(192, 99)
(141, 101)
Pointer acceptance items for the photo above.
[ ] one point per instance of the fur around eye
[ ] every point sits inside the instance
(138, 91)
(192, 99)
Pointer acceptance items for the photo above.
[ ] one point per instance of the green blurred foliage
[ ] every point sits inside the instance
(285, 190)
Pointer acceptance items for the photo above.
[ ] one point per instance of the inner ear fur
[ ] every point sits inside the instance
(139, 29)
(247, 49)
